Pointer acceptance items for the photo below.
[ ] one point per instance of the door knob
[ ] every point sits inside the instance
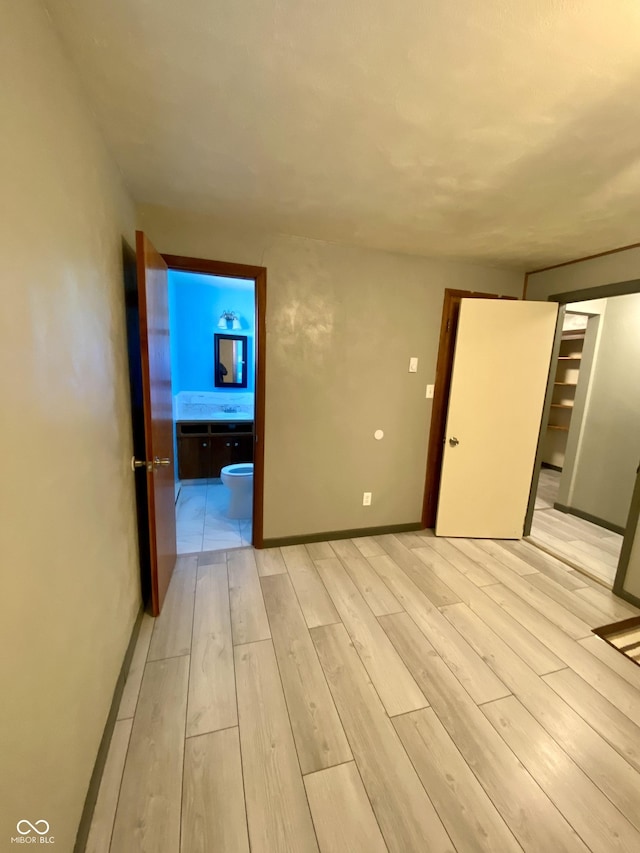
(137, 463)
(160, 463)
(453, 441)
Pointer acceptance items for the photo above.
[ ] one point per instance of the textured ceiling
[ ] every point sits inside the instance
(499, 130)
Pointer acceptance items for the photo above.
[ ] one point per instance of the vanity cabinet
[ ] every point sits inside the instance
(205, 447)
(194, 454)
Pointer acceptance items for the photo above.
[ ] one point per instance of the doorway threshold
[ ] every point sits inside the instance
(542, 546)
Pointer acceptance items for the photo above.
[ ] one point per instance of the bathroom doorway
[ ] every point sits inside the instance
(216, 320)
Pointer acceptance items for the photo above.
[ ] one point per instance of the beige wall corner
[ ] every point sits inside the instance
(342, 324)
(69, 547)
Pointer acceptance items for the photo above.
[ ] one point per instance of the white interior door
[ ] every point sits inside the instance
(500, 372)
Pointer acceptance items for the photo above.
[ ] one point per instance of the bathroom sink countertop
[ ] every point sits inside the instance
(197, 412)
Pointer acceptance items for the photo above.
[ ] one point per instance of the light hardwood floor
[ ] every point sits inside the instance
(399, 693)
(594, 550)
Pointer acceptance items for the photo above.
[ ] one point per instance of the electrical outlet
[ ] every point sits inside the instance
(366, 499)
(430, 391)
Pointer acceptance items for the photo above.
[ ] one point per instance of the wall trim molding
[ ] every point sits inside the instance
(327, 535)
(586, 258)
(84, 826)
(594, 519)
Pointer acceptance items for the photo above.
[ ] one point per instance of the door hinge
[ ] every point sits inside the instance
(448, 325)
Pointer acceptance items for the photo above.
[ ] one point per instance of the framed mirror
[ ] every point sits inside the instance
(230, 361)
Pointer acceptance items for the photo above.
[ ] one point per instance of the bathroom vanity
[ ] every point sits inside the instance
(205, 447)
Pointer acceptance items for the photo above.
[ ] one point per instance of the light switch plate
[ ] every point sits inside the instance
(429, 393)
(413, 365)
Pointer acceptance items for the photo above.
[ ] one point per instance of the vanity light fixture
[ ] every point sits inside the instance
(229, 320)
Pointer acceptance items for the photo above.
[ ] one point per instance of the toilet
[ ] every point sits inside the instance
(239, 480)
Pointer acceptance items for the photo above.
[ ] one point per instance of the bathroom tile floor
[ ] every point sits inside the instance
(202, 524)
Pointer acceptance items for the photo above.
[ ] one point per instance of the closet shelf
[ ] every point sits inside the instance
(561, 428)
(570, 384)
(569, 357)
(561, 406)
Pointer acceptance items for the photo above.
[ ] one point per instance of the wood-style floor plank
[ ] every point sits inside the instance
(614, 608)
(437, 592)
(601, 763)
(313, 597)
(213, 812)
(543, 562)
(172, 628)
(460, 624)
(527, 811)
(212, 684)
(249, 621)
(614, 726)
(133, 681)
(367, 546)
(395, 685)
(377, 595)
(211, 558)
(410, 540)
(320, 550)
(408, 821)
(318, 733)
(557, 613)
(277, 811)
(571, 551)
(525, 644)
(611, 684)
(612, 659)
(341, 811)
(269, 562)
(469, 816)
(148, 815)
(569, 600)
(469, 668)
(99, 840)
(471, 547)
(464, 564)
(592, 815)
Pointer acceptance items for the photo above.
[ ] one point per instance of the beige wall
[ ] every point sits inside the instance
(621, 266)
(342, 324)
(70, 589)
(609, 450)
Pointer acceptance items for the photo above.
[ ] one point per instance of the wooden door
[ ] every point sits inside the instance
(448, 332)
(500, 371)
(155, 359)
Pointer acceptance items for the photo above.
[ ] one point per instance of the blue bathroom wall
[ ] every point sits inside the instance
(195, 305)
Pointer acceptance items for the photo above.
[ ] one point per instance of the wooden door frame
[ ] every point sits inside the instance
(224, 269)
(444, 365)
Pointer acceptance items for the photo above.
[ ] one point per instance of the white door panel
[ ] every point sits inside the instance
(500, 373)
